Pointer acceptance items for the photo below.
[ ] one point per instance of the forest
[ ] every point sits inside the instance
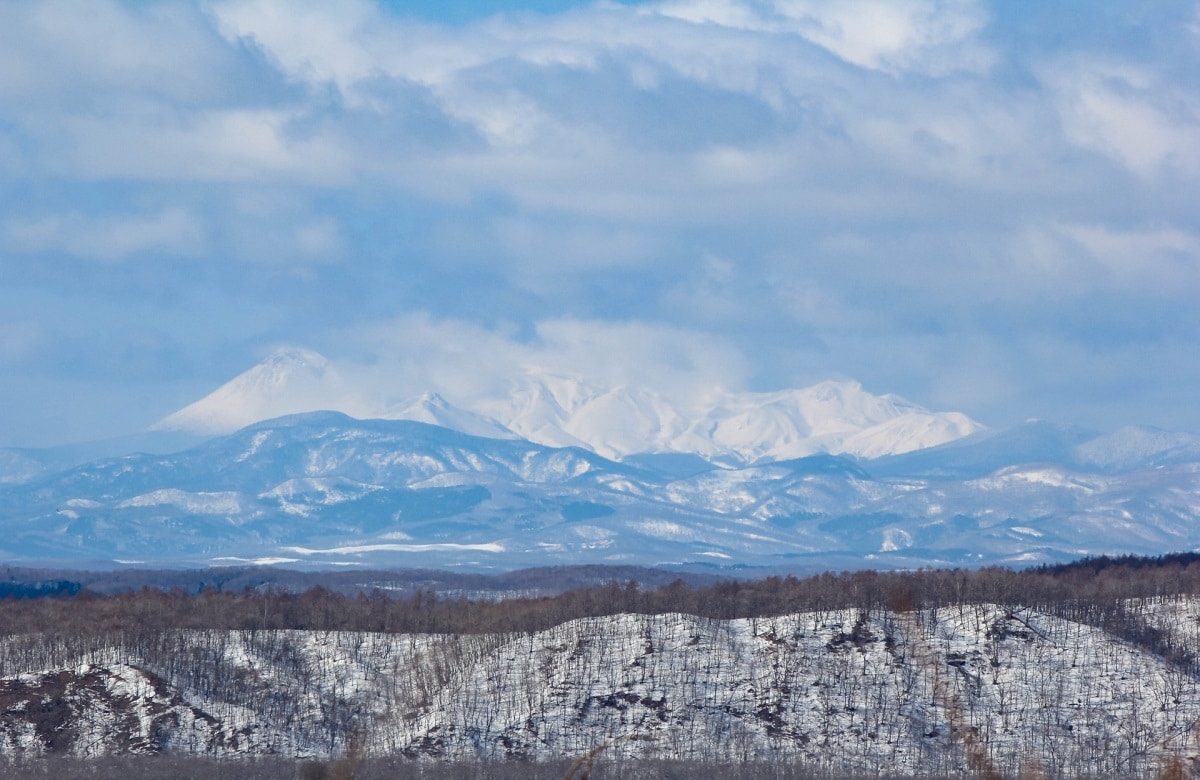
(930, 673)
(1096, 591)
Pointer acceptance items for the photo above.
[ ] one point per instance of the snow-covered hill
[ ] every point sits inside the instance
(998, 691)
(327, 489)
(616, 422)
(89, 711)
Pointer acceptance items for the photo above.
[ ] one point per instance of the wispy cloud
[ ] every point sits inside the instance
(935, 37)
(1131, 114)
(761, 192)
(417, 353)
(172, 231)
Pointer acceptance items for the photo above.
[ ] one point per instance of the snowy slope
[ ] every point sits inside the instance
(433, 409)
(999, 691)
(91, 710)
(1132, 446)
(832, 417)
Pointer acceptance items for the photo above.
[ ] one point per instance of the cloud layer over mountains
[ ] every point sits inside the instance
(975, 205)
(615, 422)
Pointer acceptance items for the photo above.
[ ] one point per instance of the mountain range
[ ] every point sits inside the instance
(561, 471)
(730, 428)
(324, 489)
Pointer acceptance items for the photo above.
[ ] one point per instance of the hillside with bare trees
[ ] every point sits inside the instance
(1083, 670)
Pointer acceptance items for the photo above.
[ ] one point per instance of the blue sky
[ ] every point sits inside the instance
(984, 207)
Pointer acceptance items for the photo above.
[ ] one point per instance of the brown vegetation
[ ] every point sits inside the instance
(191, 768)
(1093, 591)
(1102, 592)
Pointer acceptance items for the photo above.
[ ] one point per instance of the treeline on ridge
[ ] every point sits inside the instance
(1094, 591)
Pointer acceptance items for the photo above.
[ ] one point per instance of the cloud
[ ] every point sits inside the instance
(1160, 262)
(172, 231)
(274, 226)
(310, 41)
(933, 37)
(605, 110)
(551, 97)
(55, 54)
(539, 248)
(1130, 114)
(156, 144)
(417, 353)
(675, 192)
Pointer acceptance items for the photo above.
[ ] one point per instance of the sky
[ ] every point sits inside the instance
(991, 208)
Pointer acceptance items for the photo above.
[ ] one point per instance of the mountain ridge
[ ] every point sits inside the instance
(730, 428)
(326, 489)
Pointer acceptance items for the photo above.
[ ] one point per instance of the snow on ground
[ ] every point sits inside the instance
(979, 686)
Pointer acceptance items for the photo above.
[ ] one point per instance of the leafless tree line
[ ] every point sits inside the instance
(183, 637)
(193, 768)
(1095, 591)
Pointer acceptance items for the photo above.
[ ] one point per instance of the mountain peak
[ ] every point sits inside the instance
(290, 380)
(294, 357)
(561, 410)
(433, 409)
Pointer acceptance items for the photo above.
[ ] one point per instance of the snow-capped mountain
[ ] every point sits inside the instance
(288, 381)
(433, 409)
(616, 422)
(562, 470)
(831, 417)
(564, 411)
(325, 488)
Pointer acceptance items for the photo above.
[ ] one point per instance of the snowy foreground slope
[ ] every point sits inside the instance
(961, 688)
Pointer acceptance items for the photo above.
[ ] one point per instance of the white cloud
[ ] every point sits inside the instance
(538, 249)
(275, 226)
(1163, 260)
(172, 231)
(723, 165)
(516, 84)
(494, 76)
(964, 136)
(1075, 260)
(926, 36)
(549, 99)
(725, 13)
(1129, 114)
(319, 238)
(59, 53)
(417, 353)
(155, 143)
(311, 41)
(797, 187)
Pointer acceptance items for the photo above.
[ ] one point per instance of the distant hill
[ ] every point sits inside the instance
(325, 490)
